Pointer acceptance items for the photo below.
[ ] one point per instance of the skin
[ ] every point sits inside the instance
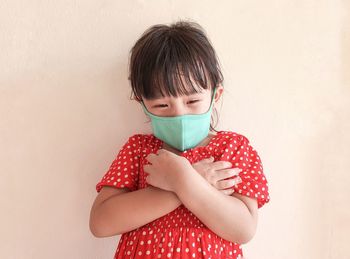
(201, 187)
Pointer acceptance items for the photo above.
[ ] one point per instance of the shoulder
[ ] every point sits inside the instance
(232, 143)
(231, 137)
(143, 141)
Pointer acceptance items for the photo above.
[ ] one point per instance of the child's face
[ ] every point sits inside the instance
(170, 106)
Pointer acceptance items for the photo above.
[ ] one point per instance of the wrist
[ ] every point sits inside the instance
(183, 178)
(170, 194)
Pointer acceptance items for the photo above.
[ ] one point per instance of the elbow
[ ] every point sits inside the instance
(241, 238)
(98, 228)
(93, 226)
(246, 237)
(95, 229)
(250, 229)
(95, 232)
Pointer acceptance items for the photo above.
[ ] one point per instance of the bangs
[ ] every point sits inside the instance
(173, 61)
(185, 76)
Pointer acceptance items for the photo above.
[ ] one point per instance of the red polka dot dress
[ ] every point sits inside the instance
(180, 234)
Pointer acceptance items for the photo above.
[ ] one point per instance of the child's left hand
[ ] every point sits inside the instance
(166, 169)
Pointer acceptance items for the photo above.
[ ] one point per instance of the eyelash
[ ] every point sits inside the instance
(160, 106)
(165, 105)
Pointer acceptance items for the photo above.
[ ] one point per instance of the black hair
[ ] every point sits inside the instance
(173, 60)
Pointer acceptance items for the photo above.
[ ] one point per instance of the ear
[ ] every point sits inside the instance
(218, 93)
(136, 99)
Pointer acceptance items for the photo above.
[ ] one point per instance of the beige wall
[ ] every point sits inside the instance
(64, 113)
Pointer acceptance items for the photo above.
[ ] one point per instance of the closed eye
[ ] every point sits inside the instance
(193, 101)
(160, 106)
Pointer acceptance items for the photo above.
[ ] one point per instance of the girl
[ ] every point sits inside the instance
(187, 190)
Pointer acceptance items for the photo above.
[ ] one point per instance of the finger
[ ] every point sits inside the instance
(208, 160)
(164, 152)
(151, 157)
(204, 161)
(147, 169)
(219, 165)
(224, 184)
(227, 173)
(224, 174)
(159, 151)
(227, 191)
(148, 179)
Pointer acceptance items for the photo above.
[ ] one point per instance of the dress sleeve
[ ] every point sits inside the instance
(123, 172)
(242, 155)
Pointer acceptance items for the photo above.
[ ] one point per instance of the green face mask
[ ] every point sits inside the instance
(181, 132)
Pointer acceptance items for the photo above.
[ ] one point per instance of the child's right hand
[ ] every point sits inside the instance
(216, 172)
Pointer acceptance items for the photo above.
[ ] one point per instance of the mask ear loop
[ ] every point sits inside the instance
(212, 99)
(211, 119)
(145, 109)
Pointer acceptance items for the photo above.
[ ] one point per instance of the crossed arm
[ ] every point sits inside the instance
(233, 217)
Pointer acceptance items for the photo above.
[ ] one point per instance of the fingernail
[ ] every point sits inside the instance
(238, 180)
